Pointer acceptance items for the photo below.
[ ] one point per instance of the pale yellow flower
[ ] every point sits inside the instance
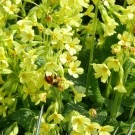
(27, 91)
(56, 35)
(116, 48)
(101, 71)
(28, 62)
(27, 35)
(42, 96)
(38, 97)
(73, 46)
(108, 28)
(57, 118)
(25, 77)
(74, 69)
(11, 8)
(31, 79)
(120, 88)
(91, 128)
(113, 64)
(105, 130)
(64, 84)
(45, 128)
(66, 58)
(125, 39)
(25, 24)
(51, 68)
(109, 24)
(18, 48)
(79, 123)
(78, 96)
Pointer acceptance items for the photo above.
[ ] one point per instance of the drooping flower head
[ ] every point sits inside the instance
(101, 70)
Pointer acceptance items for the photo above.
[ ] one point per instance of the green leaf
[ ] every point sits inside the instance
(100, 117)
(129, 100)
(13, 129)
(127, 128)
(25, 118)
(69, 107)
(96, 90)
(130, 85)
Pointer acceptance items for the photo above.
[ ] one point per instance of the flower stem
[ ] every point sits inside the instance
(125, 2)
(118, 95)
(128, 69)
(23, 13)
(116, 104)
(107, 92)
(132, 110)
(92, 48)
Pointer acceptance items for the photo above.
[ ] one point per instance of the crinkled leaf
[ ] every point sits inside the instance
(25, 118)
(100, 117)
(69, 107)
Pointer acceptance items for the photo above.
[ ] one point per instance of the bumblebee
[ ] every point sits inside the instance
(53, 80)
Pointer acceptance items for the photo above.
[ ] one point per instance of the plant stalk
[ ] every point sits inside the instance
(92, 48)
(107, 92)
(125, 2)
(132, 110)
(116, 104)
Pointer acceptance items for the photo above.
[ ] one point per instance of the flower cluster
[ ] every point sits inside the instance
(82, 125)
(38, 44)
(123, 48)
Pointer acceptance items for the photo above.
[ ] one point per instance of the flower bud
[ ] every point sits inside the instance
(92, 112)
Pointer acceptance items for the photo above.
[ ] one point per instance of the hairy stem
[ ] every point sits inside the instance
(92, 48)
(108, 87)
(116, 104)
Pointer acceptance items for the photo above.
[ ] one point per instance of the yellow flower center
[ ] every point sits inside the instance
(72, 45)
(11, 8)
(30, 35)
(73, 69)
(68, 57)
(105, 69)
(78, 121)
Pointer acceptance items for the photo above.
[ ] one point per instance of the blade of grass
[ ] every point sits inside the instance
(130, 129)
(116, 130)
(39, 120)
